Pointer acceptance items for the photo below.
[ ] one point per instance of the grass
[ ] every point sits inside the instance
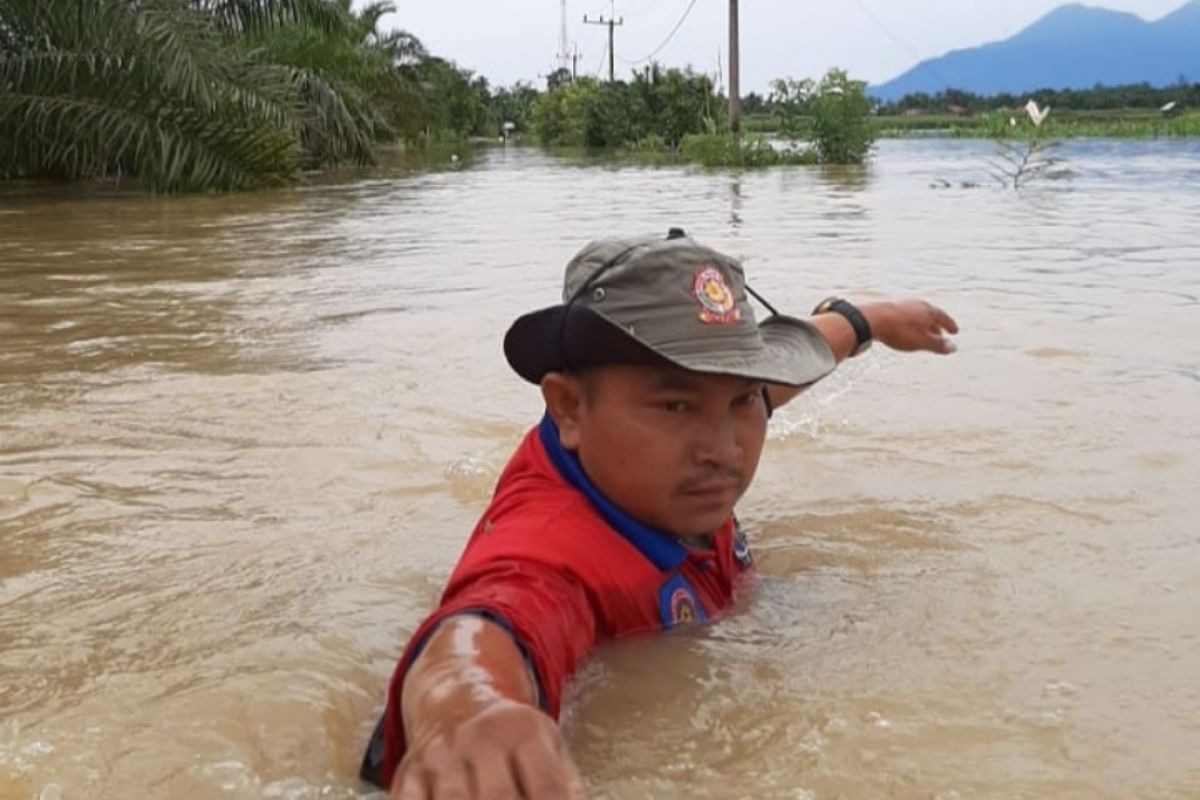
(750, 150)
(718, 150)
(1124, 124)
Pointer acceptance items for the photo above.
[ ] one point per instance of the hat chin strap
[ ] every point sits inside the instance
(750, 291)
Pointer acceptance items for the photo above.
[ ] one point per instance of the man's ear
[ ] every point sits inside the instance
(565, 402)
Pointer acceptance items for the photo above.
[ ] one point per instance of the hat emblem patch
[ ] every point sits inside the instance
(717, 306)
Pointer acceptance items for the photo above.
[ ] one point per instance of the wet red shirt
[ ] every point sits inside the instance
(560, 567)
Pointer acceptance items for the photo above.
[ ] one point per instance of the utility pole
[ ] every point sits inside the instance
(735, 90)
(612, 55)
(563, 55)
(575, 63)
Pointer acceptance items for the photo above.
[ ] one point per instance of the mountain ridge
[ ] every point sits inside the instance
(1074, 46)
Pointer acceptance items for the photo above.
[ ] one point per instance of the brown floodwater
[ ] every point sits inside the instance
(243, 439)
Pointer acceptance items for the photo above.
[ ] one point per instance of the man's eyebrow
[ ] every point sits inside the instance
(680, 381)
(675, 381)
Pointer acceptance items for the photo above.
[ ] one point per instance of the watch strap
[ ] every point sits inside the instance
(852, 314)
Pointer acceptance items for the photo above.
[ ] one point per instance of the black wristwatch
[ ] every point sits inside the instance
(857, 320)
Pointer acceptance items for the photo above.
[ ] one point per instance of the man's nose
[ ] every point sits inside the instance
(717, 443)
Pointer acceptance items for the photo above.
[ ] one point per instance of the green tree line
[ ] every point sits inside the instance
(179, 95)
(1098, 98)
(221, 94)
(683, 111)
(660, 105)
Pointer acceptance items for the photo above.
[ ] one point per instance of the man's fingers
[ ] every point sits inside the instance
(450, 782)
(543, 772)
(574, 779)
(492, 776)
(945, 320)
(436, 774)
(410, 785)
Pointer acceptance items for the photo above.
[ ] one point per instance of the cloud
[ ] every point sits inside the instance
(874, 39)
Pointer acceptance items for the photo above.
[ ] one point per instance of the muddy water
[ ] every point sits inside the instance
(242, 440)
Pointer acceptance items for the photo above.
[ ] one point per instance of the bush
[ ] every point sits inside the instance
(666, 105)
(842, 131)
(790, 99)
(675, 103)
(558, 115)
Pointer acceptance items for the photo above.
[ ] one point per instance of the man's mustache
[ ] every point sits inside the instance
(731, 475)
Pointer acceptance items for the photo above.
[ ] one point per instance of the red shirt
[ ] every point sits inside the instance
(560, 567)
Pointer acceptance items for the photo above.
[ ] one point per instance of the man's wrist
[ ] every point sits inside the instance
(449, 684)
(879, 316)
(854, 316)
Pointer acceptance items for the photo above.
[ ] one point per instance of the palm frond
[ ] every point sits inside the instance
(250, 16)
(147, 89)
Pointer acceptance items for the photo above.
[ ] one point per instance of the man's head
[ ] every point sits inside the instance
(653, 368)
(673, 447)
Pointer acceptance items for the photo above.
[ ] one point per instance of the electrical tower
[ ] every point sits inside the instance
(735, 71)
(564, 54)
(611, 23)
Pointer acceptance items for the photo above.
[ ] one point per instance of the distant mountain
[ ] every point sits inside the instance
(1072, 47)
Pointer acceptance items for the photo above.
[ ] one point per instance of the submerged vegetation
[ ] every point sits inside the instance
(177, 95)
(680, 113)
(1136, 111)
(659, 106)
(1129, 124)
(216, 94)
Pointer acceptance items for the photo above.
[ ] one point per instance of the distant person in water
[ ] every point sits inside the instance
(614, 517)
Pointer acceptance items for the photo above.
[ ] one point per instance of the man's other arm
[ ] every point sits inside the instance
(904, 325)
(472, 722)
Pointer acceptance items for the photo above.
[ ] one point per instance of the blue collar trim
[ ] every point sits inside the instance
(661, 549)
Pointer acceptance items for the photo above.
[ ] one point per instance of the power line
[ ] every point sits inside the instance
(603, 58)
(921, 62)
(670, 36)
(635, 5)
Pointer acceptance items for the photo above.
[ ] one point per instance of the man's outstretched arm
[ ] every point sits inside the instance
(904, 325)
(472, 722)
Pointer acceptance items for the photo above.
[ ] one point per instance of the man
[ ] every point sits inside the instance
(615, 516)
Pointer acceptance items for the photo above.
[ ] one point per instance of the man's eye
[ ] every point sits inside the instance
(749, 398)
(675, 406)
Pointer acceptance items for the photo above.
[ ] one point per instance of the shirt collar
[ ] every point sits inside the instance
(661, 549)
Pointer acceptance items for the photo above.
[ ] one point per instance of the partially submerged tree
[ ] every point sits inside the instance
(148, 89)
(842, 132)
(200, 94)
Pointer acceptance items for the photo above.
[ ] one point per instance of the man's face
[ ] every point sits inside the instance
(676, 449)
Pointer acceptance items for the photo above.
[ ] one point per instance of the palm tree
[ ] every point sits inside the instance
(356, 85)
(245, 16)
(101, 89)
(198, 94)
(344, 69)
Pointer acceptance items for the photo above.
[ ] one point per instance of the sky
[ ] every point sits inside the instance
(876, 40)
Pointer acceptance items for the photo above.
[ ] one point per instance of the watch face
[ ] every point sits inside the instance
(824, 306)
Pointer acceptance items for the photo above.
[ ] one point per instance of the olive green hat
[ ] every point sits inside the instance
(656, 300)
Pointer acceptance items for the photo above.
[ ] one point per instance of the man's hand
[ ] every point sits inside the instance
(905, 325)
(911, 325)
(473, 727)
(508, 751)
